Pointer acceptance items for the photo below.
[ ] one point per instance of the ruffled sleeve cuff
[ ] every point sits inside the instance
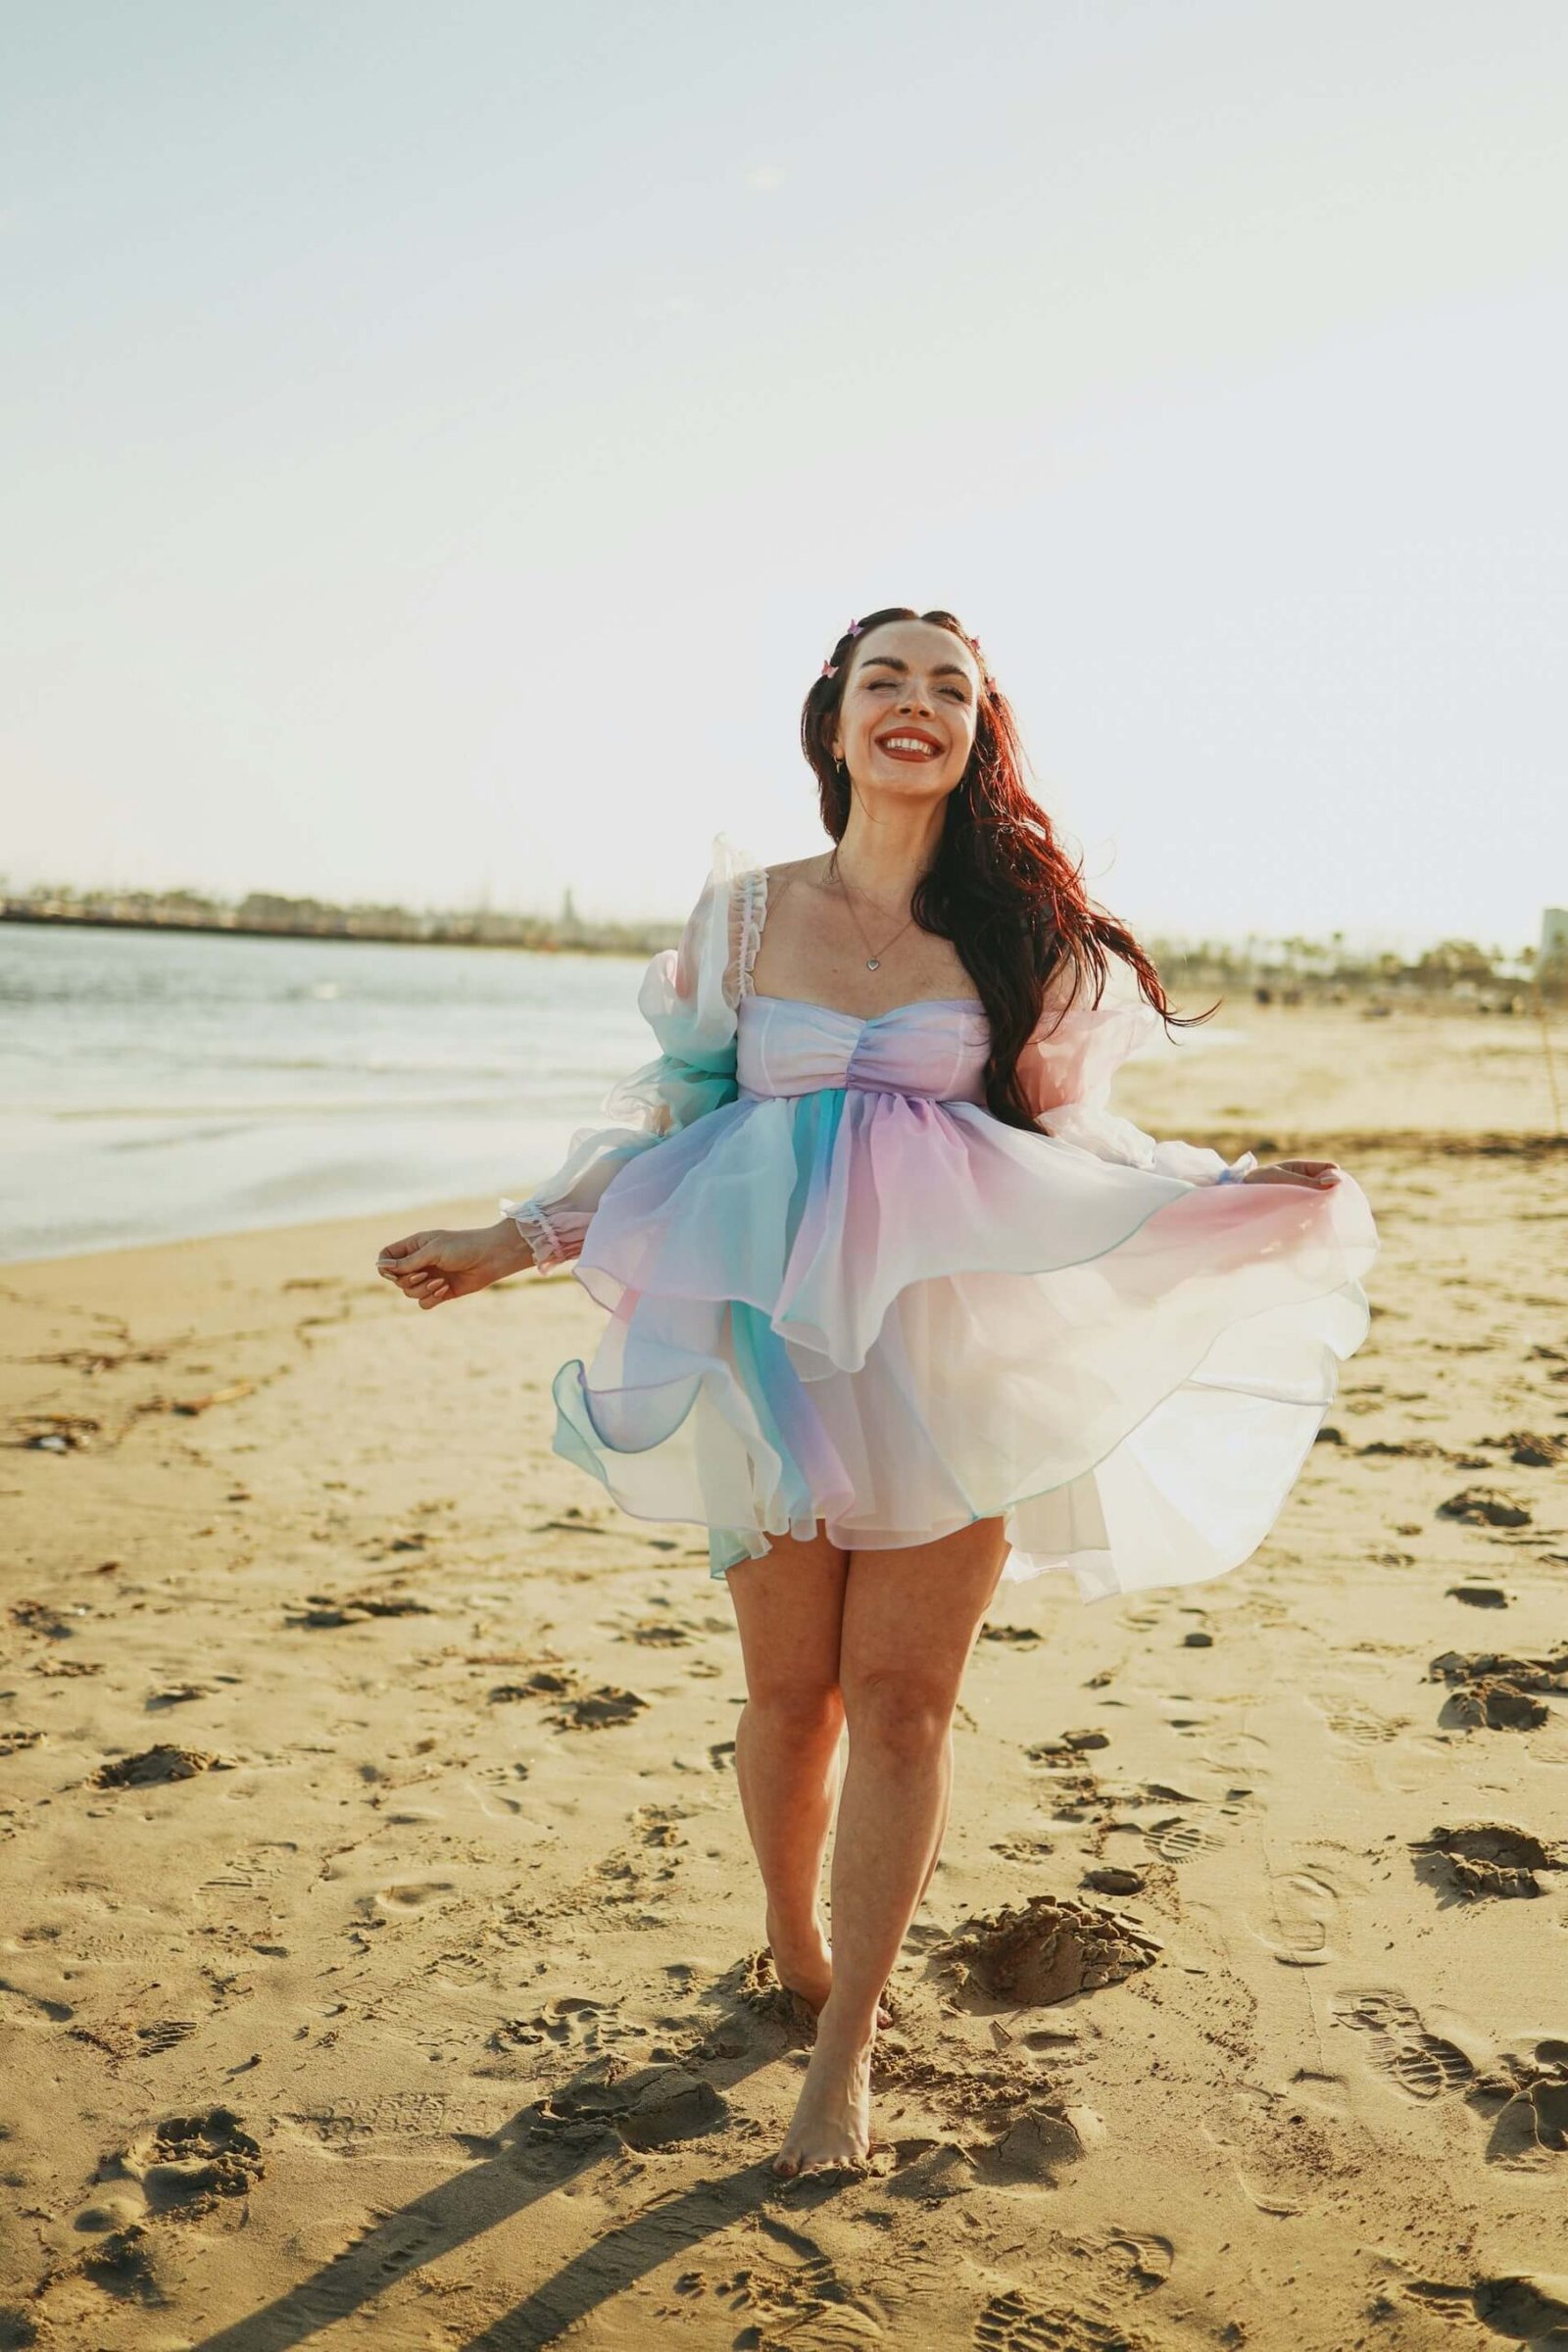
(1127, 1146)
(554, 1236)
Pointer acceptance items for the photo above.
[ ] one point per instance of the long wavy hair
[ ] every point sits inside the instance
(1001, 888)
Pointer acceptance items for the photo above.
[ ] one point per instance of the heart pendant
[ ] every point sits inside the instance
(873, 962)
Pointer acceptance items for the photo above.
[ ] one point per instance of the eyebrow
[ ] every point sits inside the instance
(944, 669)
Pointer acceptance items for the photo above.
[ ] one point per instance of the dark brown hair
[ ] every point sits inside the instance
(1001, 888)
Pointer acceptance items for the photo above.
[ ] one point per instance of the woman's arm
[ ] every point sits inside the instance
(435, 1265)
(687, 997)
(1067, 1070)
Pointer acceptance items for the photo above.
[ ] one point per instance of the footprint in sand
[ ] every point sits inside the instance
(1178, 1839)
(1485, 1858)
(1303, 1914)
(1495, 1707)
(1014, 2322)
(324, 1609)
(1024, 1850)
(1531, 2094)
(1424, 2065)
(131, 2265)
(597, 1710)
(412, 1894)
(1548, 1672)
(1486, 1506)
(1043, 1951)
(652, 2107)
(569, 2020)
(550, 1681)
(163, 2035)
(1139, 2261)
(797, 2290)
(1365, 1727)
(154, 1765)
(186, 2163)
(1034, 2148)
(1494, 1691)
(494, 1803)
(1528, 2307)
(655, 1825)
(1112, 1878)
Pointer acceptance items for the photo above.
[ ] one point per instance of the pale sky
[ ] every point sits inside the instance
(440, 445)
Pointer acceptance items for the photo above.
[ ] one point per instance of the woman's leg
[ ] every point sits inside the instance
(911, 1617)
(789, 1607)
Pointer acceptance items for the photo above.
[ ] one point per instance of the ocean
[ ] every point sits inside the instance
(161, 1084)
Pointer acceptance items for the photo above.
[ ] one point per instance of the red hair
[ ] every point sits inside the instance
(1001, 888)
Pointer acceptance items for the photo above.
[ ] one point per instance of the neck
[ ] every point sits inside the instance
(888, 846)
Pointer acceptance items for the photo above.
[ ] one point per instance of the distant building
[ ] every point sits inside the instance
(1554, 934)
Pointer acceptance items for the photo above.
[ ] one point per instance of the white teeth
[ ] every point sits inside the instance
(907, 743)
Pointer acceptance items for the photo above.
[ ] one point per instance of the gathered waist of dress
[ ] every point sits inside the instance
(851, 1083)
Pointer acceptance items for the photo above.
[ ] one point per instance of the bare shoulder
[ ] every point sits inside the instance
(791, 869)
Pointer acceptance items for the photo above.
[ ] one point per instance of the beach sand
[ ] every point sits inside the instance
(381, 1939)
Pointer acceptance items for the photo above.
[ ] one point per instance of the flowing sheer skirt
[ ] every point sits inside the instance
(886, 1317)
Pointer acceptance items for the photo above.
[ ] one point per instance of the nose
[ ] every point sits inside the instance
(914, 697)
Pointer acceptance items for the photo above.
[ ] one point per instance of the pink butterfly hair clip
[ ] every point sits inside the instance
(828, 671)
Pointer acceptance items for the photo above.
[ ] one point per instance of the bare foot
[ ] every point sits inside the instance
(831, 2129)
(802, 1960)
(804, 1966)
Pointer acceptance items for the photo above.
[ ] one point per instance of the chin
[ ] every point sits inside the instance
(914, 784)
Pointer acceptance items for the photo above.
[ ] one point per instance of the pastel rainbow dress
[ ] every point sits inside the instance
(843, 1294)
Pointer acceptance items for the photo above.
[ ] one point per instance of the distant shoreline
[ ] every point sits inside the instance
(1298, 972)
(444, 933)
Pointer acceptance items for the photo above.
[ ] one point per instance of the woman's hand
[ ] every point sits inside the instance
(432, 1268)
(1318, 1174)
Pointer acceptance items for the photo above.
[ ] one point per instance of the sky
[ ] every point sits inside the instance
(438, 447)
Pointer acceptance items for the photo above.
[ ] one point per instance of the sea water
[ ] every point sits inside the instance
(160, 1084)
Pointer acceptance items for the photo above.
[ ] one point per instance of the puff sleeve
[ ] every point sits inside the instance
(1067, 1070)
(687, 997)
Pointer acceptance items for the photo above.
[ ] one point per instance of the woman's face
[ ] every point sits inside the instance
(908, 713)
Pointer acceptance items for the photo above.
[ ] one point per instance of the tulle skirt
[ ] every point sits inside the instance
(886, 1317)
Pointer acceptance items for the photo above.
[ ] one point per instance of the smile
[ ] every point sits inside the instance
(910, 746)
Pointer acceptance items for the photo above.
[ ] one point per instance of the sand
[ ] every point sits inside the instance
(380, 1944)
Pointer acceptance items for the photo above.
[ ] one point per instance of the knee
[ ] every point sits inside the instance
(800, 1709)
(906, 1714)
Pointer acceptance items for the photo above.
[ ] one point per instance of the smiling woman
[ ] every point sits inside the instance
(898, 1306)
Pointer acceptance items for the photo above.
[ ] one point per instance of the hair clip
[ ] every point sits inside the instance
(853, 629)
(828, 671)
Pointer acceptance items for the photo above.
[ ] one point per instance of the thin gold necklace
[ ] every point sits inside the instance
(873, 955)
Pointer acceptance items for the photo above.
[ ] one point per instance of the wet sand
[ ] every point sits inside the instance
(381, 1945)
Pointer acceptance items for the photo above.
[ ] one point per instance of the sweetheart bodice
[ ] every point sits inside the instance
(935, 1047)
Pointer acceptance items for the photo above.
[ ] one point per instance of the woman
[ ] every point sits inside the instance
(897, 1302)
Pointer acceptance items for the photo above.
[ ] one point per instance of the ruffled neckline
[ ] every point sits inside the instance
(748, 914)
